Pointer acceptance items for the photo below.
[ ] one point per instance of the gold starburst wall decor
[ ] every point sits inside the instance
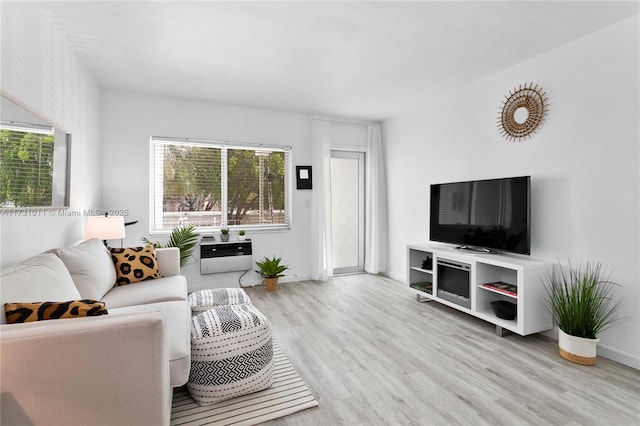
(522, 112)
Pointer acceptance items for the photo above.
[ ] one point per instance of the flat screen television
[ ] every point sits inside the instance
(486, 215)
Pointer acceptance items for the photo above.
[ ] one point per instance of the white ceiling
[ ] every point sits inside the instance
(364, 60)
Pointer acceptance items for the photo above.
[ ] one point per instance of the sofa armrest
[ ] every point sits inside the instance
(109, 370)
(168, 261)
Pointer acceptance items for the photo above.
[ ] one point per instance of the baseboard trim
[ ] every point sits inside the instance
(619, 356)
(285, 279)
(294, 278)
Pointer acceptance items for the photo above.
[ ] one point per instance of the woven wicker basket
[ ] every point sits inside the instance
(577, 349)
(271, 284)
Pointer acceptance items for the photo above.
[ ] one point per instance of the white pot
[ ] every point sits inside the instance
(577, 349)
(242, 237)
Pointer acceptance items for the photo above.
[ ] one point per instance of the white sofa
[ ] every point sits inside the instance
(116, 369)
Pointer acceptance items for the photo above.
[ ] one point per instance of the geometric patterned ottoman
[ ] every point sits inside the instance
(203, 300)
(231, 353)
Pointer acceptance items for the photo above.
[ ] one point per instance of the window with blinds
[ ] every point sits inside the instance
(26, 165)
(213, 184)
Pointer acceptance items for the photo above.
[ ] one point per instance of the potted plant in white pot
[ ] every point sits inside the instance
(271, 270)
(242, 235)
(582, 306)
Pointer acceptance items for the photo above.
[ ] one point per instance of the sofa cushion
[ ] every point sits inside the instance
(91, 268)
(155, 291)
(135, 264)
(28, 312)
(37, 279)
(177, 316)
(168, 261)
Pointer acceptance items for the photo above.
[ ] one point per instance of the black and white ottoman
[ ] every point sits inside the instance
(203, 300)
(231, 353)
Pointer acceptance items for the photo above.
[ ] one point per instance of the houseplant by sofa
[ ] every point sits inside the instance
(183, 237)
(117, 368)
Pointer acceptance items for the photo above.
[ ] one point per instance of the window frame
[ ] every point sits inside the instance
(224, 145)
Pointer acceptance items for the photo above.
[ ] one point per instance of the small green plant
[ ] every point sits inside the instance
(241, 232)
(184, 237)
(224, 231)
(581, 297)
(271, 268)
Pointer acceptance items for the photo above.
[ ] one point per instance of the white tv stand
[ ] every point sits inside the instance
(526, 274)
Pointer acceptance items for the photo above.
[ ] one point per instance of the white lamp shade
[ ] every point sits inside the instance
(104, 227)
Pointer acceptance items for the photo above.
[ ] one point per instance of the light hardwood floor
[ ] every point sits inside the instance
(372, 355)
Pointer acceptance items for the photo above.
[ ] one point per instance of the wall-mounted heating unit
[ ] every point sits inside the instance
(225, 257)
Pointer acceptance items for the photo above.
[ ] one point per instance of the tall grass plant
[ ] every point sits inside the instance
(582, 299)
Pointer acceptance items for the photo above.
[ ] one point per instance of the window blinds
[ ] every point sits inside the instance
(26, 165)
(216, 184)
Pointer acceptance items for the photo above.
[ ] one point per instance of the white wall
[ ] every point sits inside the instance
(584, 163)
(130, 119)
(347, 135)
(40, 71)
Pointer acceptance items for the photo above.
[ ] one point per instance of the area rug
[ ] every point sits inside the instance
(288, 395)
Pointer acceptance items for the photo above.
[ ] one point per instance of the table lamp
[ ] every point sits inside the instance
(105, 228)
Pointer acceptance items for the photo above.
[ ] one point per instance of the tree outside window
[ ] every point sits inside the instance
(26, 168)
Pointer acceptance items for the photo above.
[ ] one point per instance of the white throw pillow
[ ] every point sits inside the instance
(42, 278)
(91, 268)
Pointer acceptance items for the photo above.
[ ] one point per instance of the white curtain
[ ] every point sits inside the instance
(376, 205)
(321, 261)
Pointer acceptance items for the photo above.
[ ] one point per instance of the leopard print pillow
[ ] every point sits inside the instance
(135, 264)
(41, 311)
